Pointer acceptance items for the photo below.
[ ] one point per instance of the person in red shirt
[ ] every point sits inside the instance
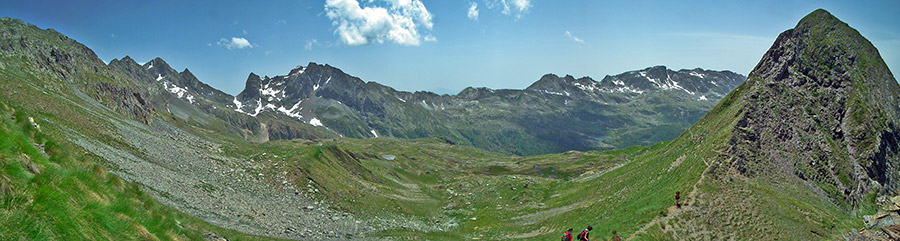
(568, 235)
(584, 236)
(677, 197)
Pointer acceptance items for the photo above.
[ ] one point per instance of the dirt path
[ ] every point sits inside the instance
(672, 211)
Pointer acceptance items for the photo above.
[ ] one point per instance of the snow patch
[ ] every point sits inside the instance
(259, 107)
(175, 89)
(238, 105)
(590, 87)
(159, 76)
(694, 73)
(374, 133)
(702, 97)
(644, 73)
(315, 122)
(151, 66)
(401, 100)
(272, 93)
(190, 98)
(290, 112)
(555, 93)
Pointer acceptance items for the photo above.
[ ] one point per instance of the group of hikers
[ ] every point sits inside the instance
(585, 235)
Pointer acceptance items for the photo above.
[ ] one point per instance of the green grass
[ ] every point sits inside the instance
(51, 191)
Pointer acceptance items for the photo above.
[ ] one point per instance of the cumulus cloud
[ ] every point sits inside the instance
(473, 11)
(235, 43)
(574, 38)
(510, 7)
(399, 21)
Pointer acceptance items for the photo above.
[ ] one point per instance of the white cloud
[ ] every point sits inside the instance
(510, 7)
(574, 38)
(522, 5)
(235, 43)
(430, 38)
(282, 21)
(309, 44)
(473, 11)
(398, 22)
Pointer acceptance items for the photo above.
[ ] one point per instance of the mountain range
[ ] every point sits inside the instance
(554, 114)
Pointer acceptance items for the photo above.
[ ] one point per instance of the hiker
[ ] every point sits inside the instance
(615, 237)
(584, 235)
(677, 196)
(568, 235)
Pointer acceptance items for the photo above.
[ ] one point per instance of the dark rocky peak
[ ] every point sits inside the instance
(564, 86)
(471, 93)
(251, 87)
(160, 70)
(297, 70)
(158, 63)
(821, 106)
(131, 69)
(188, 79)
(125, 61)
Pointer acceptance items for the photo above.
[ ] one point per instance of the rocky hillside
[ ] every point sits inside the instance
(801, 150)
(823, 107)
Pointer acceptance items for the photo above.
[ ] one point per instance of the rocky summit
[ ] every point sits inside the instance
(822, 107)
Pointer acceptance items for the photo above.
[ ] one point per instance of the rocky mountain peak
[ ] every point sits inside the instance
(822, 106)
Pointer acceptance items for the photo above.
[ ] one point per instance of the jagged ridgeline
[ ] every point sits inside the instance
(554, 114)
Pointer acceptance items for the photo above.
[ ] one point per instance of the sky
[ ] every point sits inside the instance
(444, 45)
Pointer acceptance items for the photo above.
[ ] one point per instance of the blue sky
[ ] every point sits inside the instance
(441, 45)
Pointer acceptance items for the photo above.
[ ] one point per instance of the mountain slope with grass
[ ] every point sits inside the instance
(51, 189)
(768, 162)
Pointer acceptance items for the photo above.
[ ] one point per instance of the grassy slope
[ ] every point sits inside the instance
(63, 191)
(50, 189)
(455, 192)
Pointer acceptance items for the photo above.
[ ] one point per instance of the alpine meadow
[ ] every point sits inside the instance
(805, 146)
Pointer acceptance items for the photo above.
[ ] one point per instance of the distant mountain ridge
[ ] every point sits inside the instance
(694, 82)
(536, 120)
(322, 95)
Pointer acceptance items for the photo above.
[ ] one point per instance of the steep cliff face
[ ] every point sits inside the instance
(822, 107)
